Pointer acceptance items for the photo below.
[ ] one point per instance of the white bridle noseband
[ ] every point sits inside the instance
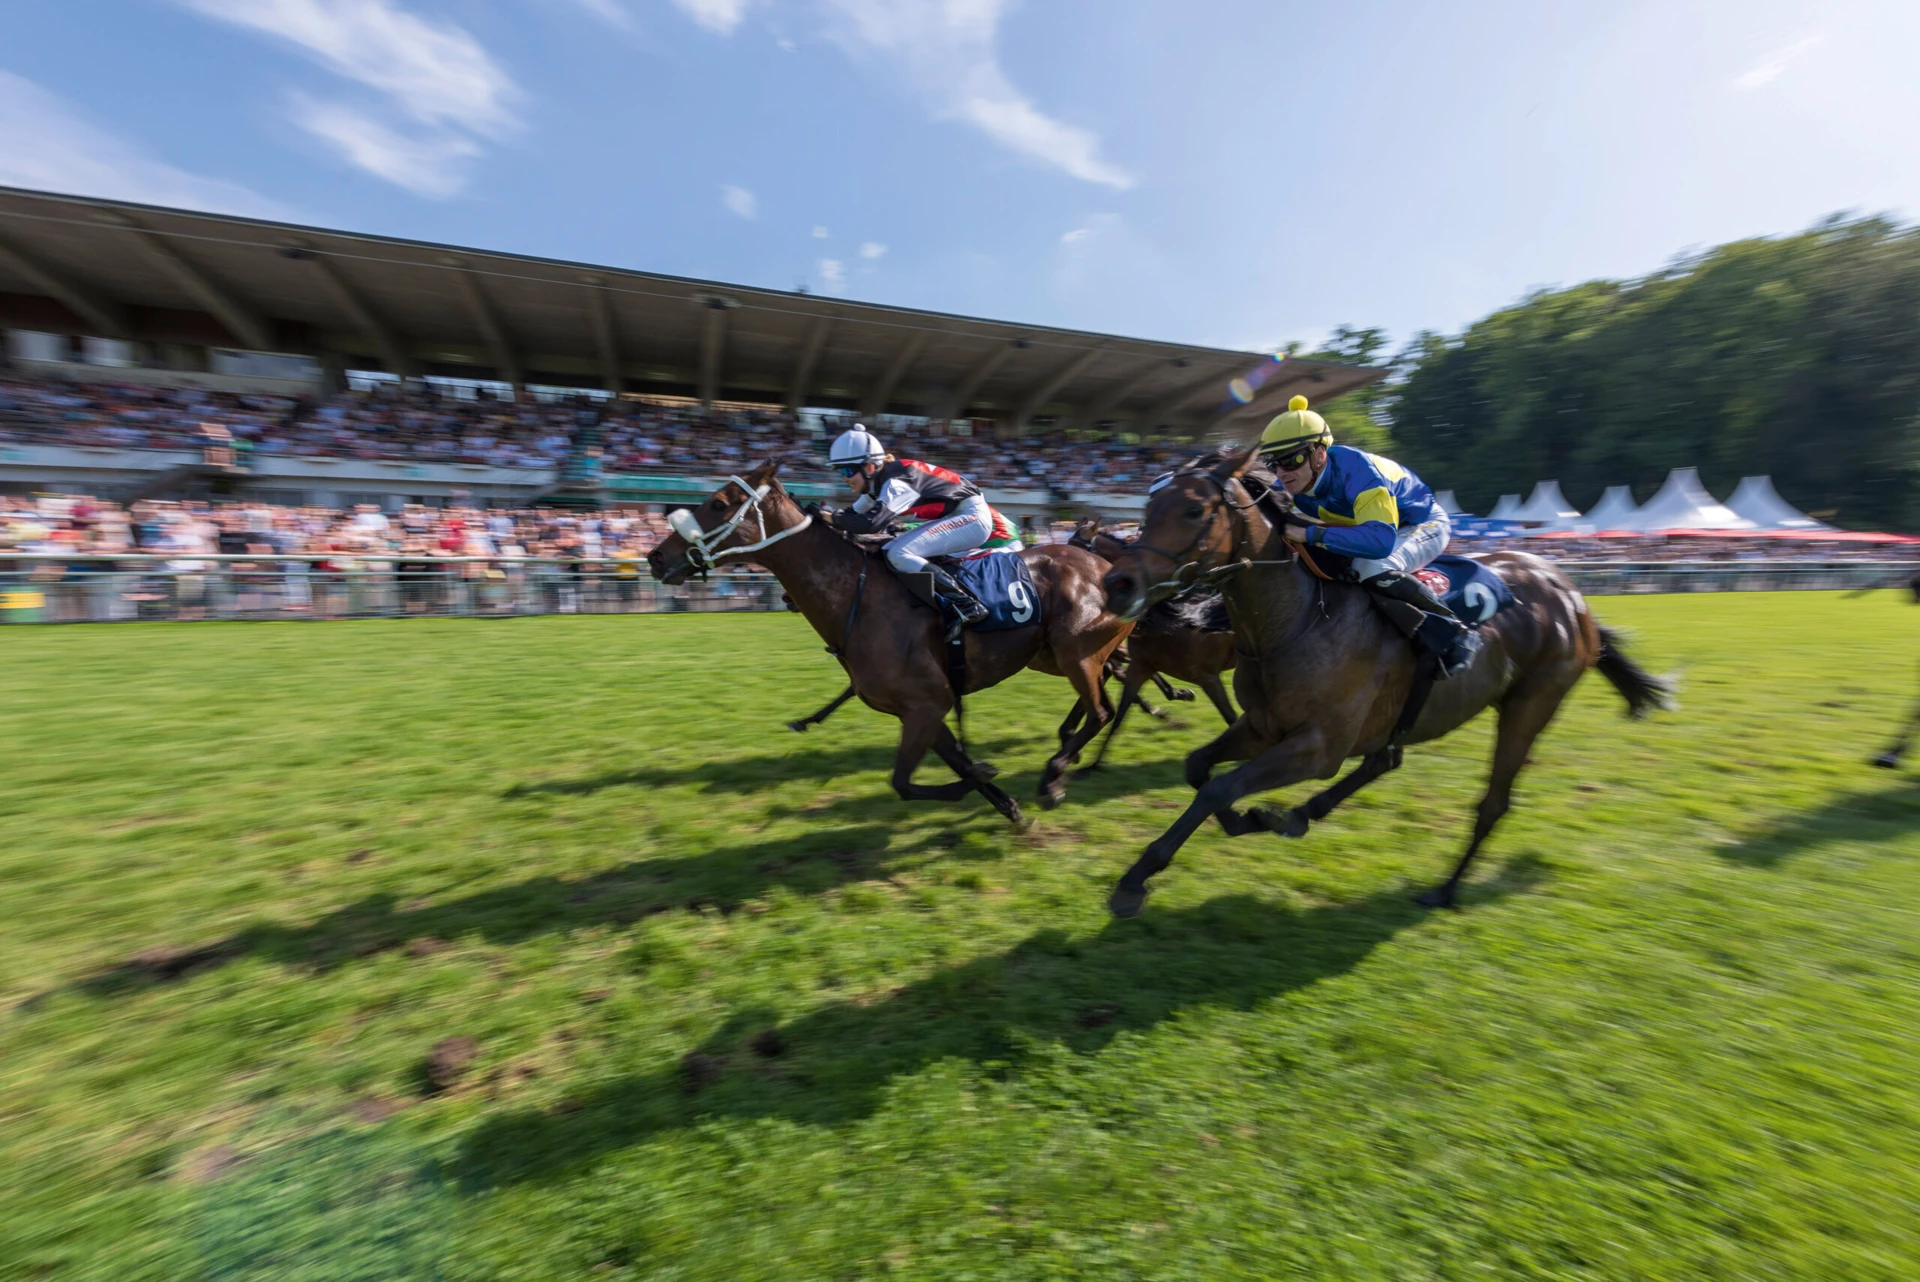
(701, 544)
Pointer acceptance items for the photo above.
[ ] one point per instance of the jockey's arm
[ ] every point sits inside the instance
(1376, 517)
(869, 516)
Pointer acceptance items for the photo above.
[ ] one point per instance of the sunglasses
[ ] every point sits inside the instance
(851, 469)
(1290, 462)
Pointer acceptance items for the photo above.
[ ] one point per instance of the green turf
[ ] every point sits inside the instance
(253, 873)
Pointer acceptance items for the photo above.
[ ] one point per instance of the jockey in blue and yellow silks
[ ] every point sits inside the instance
(1376, 512)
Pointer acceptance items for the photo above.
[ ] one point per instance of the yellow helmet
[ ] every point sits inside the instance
(1296, 428)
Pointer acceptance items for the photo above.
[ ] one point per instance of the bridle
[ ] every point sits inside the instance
(703, 546)
(1188, 575)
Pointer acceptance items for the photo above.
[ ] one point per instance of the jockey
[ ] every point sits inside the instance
(957, 518)
(1374, 511)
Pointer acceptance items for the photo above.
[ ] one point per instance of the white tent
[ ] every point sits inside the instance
(1546, 506)
(1756, 500)
(1614, 511)
(1684, 504)
(1448, 504)
(1504, 510)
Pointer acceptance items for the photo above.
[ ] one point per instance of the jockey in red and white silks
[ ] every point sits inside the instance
(957, 518)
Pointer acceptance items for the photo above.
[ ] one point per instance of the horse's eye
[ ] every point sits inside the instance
(715, 503)
(1195, 512)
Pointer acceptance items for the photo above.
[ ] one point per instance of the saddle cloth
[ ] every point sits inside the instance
(1472, 591)
(1004, 585)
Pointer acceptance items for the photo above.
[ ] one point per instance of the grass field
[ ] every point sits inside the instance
(736, 1012)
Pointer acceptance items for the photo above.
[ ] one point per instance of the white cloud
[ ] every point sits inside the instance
(427, 165)
(833, 275)
(46, 146)
(819, 233)
(1078, 233)
(873, 249)
(718, 16)
(441, 87)
(739, 200)
(946, 50)
(786, 45)
(1770, 68)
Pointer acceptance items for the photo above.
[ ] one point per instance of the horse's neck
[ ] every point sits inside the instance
(821, 572)
(1267, 601)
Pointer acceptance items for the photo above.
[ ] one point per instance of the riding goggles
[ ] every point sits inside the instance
(852, 469)
(1291, 461)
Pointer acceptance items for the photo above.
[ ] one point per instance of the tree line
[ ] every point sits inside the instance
(1797, 356)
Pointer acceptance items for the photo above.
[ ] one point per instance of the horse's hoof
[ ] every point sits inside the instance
(1888, 760)
(1438, 897)
(1283, 823)
(1019, 821)
(1049, 799)
(1087, 770)
(1126, 903)
(1181, 696)
(985, 770)
(798, 727)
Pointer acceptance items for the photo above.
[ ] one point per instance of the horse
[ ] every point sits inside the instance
(1323, 676)
(1192, 644)
(892, 646)
(1116, 667)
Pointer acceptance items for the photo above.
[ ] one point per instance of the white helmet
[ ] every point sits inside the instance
(855, 445)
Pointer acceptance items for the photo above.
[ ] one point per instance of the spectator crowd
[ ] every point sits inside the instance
(429, 423)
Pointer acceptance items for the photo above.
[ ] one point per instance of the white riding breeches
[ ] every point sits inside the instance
(1414, 546)
(961, 530)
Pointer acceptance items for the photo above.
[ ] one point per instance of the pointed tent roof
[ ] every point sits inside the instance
(1757, 501)
(1449, 504)
(1684, 504)
(1504, 510)
(1614, 511)
(1547, 506)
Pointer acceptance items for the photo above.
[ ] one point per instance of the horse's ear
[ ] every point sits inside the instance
(1241, 462)
(764, 471)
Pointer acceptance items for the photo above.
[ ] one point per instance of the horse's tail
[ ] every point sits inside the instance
(1641, 689)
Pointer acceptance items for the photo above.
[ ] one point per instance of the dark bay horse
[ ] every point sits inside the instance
(1323, 676)
(1167, 640)
(891, 646)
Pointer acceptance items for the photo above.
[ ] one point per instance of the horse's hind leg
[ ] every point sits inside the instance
(1522, 717)
(800, 726)
(1172, 695)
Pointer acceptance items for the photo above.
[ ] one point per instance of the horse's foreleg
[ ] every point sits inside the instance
(1217, 692)
(1129, 695)
(1522, 719)
(1294, 822)
(1286, 762)
(800, 726)
(978, 775)
(1089, 681)
(1890, 759)
(920, 729)
(1238, 742)
(1168, 691)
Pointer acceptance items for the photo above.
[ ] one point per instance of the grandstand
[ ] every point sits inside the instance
(96, 290)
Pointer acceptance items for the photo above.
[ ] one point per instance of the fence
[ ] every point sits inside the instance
(56, 588)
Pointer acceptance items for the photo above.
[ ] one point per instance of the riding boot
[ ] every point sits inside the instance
(968, 607)
(1413, 608)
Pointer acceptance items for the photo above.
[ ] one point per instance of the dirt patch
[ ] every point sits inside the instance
(359, 856)
(426, 946)
(370, 1110)
(768, 1044)
(204, 1166)
(448, 1062)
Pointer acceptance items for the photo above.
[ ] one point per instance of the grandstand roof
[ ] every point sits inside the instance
(110, 269)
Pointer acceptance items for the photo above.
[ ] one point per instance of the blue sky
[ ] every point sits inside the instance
(1217, 171)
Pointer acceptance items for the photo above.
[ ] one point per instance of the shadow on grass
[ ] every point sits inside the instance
(750, 774)
(832, 1066)
(808, 863)
(1867, 814)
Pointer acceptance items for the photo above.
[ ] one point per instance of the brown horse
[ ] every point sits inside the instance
(1167, 640)
(1890, 759)
(892, 646)
(1323, 676)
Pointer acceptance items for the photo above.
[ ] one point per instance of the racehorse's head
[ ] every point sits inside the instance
(735, 515)
(1188, 528)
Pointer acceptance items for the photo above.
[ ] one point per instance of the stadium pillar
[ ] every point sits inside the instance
(505, 364)
(970, 384)
(713, 347)
(810, 349)
(875, 401)
(1044, 392)
(106, 319)
(605, 338)
(1119, 390)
